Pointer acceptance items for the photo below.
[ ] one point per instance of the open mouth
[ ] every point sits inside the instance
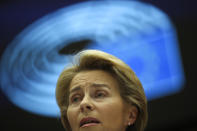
(89, 121)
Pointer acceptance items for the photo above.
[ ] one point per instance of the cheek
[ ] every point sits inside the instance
(72, 117)
(112, 111)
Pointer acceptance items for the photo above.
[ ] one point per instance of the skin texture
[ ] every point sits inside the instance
(96, 94)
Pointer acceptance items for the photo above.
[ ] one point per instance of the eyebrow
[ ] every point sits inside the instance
(95, 85)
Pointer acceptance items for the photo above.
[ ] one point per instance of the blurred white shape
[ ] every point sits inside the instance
(31, 64)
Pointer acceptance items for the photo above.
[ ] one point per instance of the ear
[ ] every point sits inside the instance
(132, 115)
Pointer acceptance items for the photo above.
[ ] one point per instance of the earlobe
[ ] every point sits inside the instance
(133, 113)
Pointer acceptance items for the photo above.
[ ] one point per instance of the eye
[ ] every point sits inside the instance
(100, 94)
(75, 98)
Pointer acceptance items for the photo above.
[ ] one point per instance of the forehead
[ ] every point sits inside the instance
(93, 77)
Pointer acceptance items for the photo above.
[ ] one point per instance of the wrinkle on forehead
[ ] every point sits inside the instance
(93, 78)
(93, 85)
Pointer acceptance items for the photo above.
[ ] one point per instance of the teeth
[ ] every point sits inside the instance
(89, 121)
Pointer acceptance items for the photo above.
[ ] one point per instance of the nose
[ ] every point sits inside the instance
(86, 105)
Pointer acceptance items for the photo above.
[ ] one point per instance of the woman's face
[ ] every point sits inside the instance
(95, 103)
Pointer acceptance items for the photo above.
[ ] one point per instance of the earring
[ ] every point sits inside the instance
(129, 124)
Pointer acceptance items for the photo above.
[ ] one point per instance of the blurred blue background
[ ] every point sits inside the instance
(39, 38)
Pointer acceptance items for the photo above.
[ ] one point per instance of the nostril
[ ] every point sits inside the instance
(89, 107)
(86, 107)
(86, 104)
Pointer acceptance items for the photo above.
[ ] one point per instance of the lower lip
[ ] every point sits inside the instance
(90, 124)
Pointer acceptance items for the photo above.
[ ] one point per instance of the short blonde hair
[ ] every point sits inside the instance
(131, 89)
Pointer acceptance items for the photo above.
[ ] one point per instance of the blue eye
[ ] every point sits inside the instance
(100, 94)
(76, 99)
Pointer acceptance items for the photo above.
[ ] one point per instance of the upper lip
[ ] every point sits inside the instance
(88, 119)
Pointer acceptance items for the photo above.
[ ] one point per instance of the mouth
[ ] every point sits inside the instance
(89, 121)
